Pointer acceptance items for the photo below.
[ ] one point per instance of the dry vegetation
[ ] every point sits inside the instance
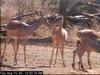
(38, 57)
(39, 48)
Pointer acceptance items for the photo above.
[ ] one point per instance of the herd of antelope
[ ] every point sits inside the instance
(89, 40)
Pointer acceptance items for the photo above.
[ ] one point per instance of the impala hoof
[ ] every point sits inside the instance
(84, 70)
(54, 65)
(26, 64)
(90, 67)
(16, 63)
(64, 65)
(73, 66)
(49, 65)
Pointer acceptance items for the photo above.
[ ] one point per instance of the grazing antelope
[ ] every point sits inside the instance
(21, 31)
(89, 41)
(59, 36)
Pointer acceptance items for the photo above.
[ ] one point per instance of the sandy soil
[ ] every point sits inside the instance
(38, 57)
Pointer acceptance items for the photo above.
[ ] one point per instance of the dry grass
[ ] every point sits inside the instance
(39, 53)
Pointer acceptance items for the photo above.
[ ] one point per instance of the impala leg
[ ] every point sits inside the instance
(52, 56)
(7, 40)
(89, 63)
(81, 50)
(79, 65)
(74, 56)
(56, 56)
(13, 47)
(16, 51)
(80, 62)
(24, 43)
(62, 55)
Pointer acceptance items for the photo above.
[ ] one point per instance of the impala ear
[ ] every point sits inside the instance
(36, 12)
(41, 13)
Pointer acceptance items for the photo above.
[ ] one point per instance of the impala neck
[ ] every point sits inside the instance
(37, 23)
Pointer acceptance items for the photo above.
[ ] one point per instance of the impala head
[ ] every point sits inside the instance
(43, 19)
(55, 20)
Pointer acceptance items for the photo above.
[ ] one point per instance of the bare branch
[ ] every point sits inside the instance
(28, 14)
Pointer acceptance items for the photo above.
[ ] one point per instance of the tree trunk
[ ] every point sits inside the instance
(68, 5)
(97, 1)
(62, 10)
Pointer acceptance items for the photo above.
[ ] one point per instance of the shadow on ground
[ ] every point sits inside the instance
(32, 41)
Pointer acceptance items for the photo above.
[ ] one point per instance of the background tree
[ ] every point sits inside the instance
(2, 2)
(53, 5)
(97, 1)
(67, 7)
(62, 10)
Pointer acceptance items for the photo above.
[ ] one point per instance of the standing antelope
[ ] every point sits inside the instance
(21, 31)
(89, 41)
(59, 36)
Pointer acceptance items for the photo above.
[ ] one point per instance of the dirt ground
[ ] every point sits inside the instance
(38, 55)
